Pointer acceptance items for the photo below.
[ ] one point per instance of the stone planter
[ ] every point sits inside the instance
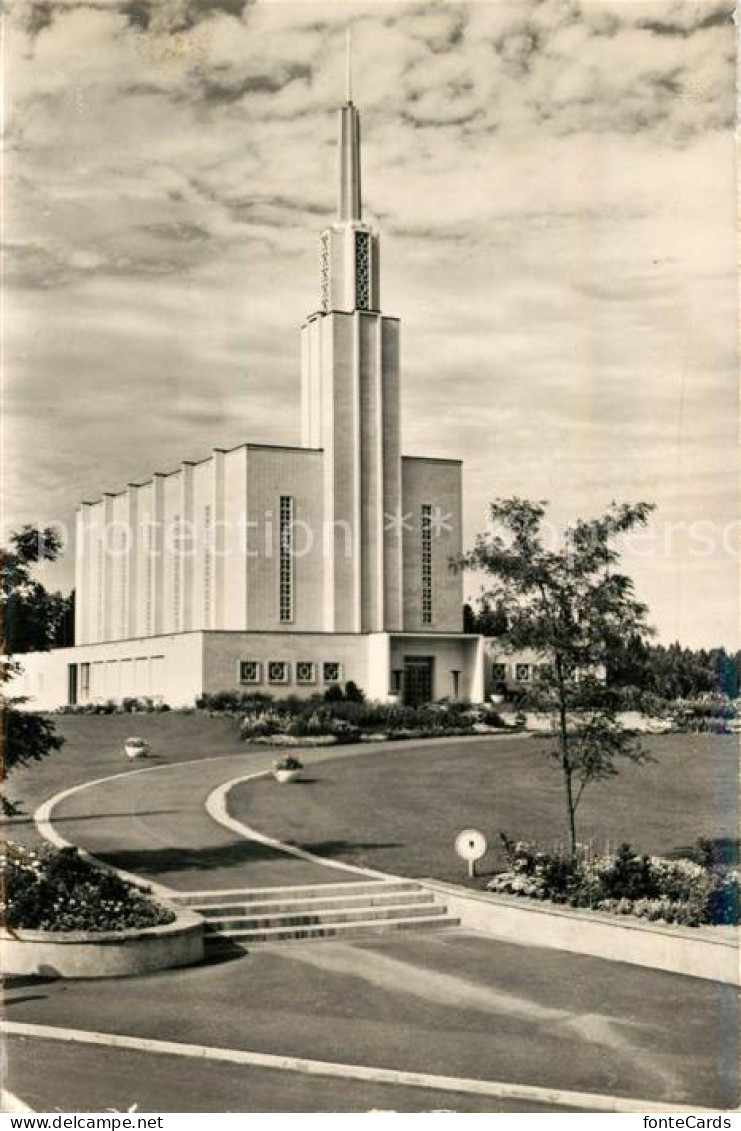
(136, 751)
(104, 954)
(286, 776)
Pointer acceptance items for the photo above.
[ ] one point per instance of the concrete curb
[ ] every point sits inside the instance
(216, 807)
(583, 1101)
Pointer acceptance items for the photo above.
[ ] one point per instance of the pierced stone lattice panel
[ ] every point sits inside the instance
(362, 270)
(324, 271)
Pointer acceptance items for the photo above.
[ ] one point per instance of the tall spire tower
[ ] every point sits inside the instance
(350, 407)
(349, 251)
(349, 202)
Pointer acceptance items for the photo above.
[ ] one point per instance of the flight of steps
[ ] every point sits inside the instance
(319, 911)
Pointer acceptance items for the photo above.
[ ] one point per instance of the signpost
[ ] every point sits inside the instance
(470, 846)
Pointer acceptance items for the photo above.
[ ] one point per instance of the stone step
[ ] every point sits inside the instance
(311, 905)
(306, 891)
(228, 924)
(333, 930)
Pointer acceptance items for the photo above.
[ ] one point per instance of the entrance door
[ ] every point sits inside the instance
(72, 685)
(418, 680)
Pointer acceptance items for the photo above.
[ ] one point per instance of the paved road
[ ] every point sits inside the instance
(451, 1003)
(55, 1077)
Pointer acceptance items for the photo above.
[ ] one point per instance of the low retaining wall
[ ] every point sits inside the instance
(542, 723)
(700, 952)
(104, 954)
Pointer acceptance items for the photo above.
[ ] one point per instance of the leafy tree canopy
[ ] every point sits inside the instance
(34, 619)
(572, 605)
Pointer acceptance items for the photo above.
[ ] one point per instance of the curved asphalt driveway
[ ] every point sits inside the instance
(452, 1003)
(154, 823)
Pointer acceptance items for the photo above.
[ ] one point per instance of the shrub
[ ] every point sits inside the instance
(345, 731)
(288, 763)
(629, 876)
(349, 718)
(315, 720)
(491, 718)
(263, 725)
(59, 890)
(624, 883)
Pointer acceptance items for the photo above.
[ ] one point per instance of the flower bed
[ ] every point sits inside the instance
(686, 892)
(293, 721)
(59, 890)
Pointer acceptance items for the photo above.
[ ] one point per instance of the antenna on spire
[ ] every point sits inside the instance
(348, 61)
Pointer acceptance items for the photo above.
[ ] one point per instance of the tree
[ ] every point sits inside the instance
(34, 619)
(571, 606)
(26, 737)
(31, 617)
(673, 672)
(487, 621)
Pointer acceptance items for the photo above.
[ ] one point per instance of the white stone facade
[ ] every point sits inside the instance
(332, 557)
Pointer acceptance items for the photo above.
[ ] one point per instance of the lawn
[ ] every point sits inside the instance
(400, 809)
(93, 748)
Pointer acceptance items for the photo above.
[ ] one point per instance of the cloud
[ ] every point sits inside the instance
(556, 186)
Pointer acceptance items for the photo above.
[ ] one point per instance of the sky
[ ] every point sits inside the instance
(554, 182)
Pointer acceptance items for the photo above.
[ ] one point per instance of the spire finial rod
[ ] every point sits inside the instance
(348, 61)
(350, 207)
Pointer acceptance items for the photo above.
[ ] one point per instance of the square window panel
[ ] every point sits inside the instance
(522, 672)
(277, 671)
(331, 672)
(499, 671)
(249, 671)
(305, 671)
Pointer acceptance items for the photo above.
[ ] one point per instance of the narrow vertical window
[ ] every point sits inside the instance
(286, 559)
(208, 535)
(149, 549)
(99, 585)
(123, 580)
(176, 571)
(426, 563)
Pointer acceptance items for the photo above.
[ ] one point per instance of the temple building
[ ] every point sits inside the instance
(278, 568)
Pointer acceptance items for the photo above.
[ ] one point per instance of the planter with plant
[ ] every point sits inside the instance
(136, 747)
(62, 914)
(287, 770)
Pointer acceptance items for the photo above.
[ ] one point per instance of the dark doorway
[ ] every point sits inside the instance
(72, 685)
(418, 680)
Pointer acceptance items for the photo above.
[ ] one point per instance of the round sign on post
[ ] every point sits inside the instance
(470, 846)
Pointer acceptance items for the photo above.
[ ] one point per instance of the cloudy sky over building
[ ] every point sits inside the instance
(555, 186)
